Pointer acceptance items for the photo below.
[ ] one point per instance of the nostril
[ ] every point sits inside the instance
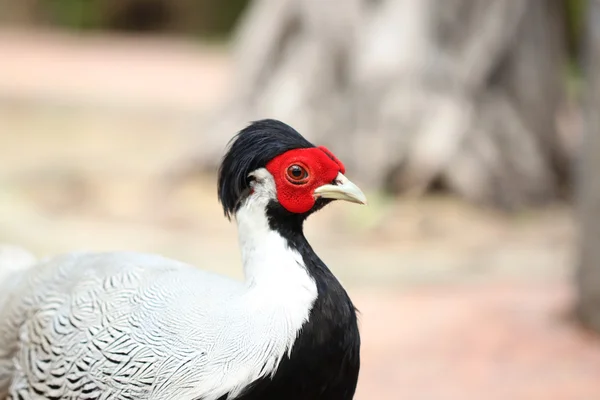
(337, 181)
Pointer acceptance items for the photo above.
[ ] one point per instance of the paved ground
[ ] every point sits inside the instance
(457, 302)
(487, 341)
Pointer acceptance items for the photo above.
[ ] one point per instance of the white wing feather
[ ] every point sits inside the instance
(136, 326)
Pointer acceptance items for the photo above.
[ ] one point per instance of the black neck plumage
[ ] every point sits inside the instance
(325, 358)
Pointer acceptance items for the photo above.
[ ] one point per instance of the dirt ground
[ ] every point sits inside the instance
(456, 302)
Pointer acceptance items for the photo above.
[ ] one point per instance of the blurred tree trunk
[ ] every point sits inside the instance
(588, 274)
(411, 94)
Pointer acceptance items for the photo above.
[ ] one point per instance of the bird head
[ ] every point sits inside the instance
(272, 161)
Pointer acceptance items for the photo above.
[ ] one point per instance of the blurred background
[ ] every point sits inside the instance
(473, 126)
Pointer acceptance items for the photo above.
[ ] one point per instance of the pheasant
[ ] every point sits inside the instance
(127, 326)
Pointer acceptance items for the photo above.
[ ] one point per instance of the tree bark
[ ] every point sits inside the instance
(411, 94)
(588, 273)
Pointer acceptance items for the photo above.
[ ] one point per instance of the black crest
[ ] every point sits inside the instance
(250, 149)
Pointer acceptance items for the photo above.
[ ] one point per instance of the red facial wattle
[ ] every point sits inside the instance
(334, 158)
(322, 168)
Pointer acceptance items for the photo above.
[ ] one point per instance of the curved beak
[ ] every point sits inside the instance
(341, 189)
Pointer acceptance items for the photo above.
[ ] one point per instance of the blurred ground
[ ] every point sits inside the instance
(457, 302)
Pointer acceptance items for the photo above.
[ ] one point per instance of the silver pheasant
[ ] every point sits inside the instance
(141, 326)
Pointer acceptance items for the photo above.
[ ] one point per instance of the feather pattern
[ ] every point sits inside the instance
(138, 326)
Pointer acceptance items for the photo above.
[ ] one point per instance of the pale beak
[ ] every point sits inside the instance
(341, 189)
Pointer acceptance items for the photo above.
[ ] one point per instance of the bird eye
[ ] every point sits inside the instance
(297, 174)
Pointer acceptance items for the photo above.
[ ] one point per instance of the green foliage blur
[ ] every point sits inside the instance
(575, 13)
(201, 18)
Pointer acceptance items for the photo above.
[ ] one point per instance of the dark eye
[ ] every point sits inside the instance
(297, 174)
